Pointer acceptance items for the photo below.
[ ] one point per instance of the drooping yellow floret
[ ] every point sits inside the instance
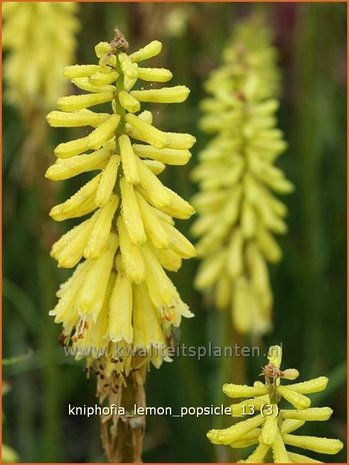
(237, 211)
(266, 426)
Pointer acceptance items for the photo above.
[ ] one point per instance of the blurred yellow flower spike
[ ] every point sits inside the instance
(266, 426)
(40, 39)
(119, 302)
(237, 211)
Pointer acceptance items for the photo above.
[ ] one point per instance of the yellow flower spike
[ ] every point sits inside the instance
(103, 132)
(131, 214)
(149, 51)
(168, 156)
(99, 235)
(268, 426)
(152, 224)
(237, 210)
(33, 42)
(119, 307)
(128, 102)
(78, 102)
(107, 181)
(129, 161)
(154, 74)
(61, 119)
(176, 94)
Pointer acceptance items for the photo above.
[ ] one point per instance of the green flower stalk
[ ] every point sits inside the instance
(238, 212)
(40, 38)
(269, 427)
(119, 301)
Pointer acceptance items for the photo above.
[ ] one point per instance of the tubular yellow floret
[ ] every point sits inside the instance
(175, 94)
(144, 131)
(267, 426)
(103, 132)
(154, 74)
(131, 214)
(107, 181)
(76, 71)
(128, 102)
(129, 161)
(61, 119)
(78, 102)
(168, 156)
(120, 297)
(149, 51)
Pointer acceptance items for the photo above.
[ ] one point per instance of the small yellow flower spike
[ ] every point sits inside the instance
(119, 300)
(238, 212)
(40, 38)
(267, 426)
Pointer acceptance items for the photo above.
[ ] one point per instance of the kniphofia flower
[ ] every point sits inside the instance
(237, 210)
(119, 295)
(270, 427)
(40, 39)
(119, 301)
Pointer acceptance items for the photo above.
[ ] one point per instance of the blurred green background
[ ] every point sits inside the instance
(309, 284)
